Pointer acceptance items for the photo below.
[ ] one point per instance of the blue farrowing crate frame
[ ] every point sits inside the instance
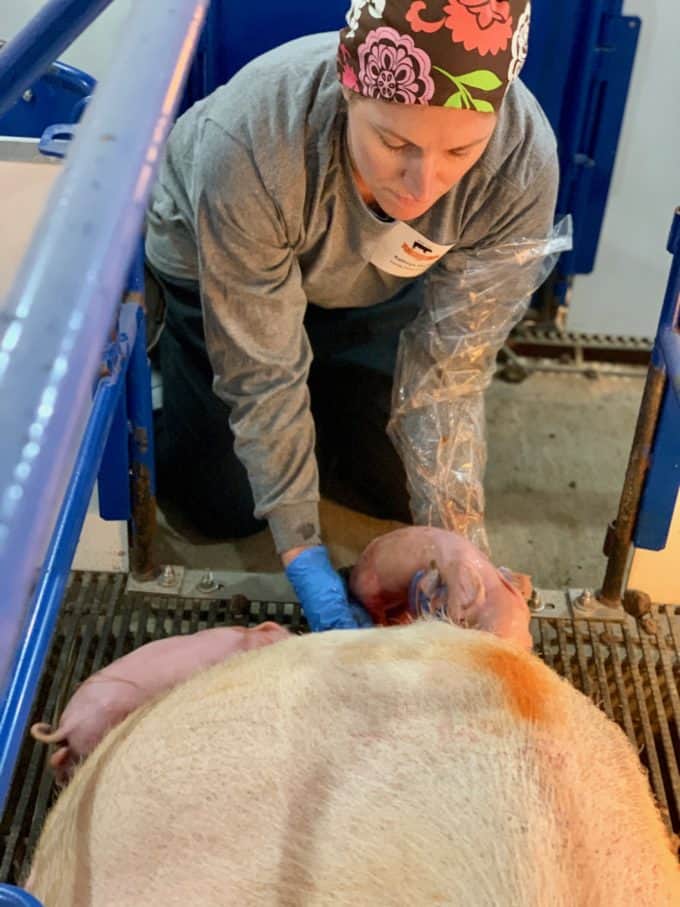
(64, 331)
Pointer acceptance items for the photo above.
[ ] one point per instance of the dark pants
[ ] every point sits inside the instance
(198, 472)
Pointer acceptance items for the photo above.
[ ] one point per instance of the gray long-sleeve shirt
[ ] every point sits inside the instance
(256, 200)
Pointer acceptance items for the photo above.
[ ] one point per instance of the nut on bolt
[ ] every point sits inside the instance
(208, 583)
(27, 96)
(168, 577)
(535, 603)
(586, 601)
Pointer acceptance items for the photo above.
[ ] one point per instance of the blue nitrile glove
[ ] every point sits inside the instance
(322, 593)
(360, 614)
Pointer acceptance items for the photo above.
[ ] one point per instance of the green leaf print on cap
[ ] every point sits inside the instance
(481, 79)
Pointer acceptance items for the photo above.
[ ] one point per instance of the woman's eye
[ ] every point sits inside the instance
(392, 147)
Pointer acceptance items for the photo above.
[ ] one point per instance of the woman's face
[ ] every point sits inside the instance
(406, 156)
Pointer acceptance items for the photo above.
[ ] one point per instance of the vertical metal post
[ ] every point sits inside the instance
(617, 545)
(142, 475)
(665, 357)
(114, 474)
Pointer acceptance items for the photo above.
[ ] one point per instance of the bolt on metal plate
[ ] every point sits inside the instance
(208, 583)
(536, 604)
(586, 606)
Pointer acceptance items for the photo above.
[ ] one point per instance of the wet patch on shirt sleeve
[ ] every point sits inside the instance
(306, 530)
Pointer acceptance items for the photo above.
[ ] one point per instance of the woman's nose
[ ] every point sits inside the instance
(420, 178)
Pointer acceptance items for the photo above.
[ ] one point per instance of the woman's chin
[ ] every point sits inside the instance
(401, 208)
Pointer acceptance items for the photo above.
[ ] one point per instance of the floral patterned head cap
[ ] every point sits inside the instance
(447, 53)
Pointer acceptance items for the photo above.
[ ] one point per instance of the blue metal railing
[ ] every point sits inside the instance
(35, 640)
(63, 302)
(56, 322)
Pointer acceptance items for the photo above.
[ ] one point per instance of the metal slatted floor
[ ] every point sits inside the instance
(632, 675)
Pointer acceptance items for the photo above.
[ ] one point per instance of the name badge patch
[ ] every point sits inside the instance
(406, 253)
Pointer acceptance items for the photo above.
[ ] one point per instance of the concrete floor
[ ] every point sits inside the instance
(558, 449)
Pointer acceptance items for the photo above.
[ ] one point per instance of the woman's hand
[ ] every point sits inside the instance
(321, 591)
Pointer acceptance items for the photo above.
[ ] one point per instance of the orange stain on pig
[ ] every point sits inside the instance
(528, 686)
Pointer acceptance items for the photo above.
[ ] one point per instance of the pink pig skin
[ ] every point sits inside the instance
(480, 596)
(108, 696)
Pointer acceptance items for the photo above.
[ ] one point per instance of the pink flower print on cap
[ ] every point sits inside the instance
(448, 53)
(348, 77)
(392, 68)
(481, 25)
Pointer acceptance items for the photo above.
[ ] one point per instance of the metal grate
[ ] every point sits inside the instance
(632, 675)
(538, 334)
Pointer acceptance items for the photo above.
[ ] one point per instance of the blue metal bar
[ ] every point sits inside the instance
(35, 639)
(669, 341)
(32, 50)
(136, 275)
(114, 474)
(113, 482)
(63, 301)
(113, 485)
(670, 310)
(16, 897)
(657, 501)
(140, 408)
(143, 484)
(576, 97)
(617, 48)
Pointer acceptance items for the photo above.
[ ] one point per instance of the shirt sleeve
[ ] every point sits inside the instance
(446, 359)
(253, 308)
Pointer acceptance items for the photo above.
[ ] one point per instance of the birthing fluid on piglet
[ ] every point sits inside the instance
(478, 595)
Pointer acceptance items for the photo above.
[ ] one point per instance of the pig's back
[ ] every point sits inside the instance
(415, 765)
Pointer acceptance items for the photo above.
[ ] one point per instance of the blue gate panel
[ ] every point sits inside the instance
(57, 97)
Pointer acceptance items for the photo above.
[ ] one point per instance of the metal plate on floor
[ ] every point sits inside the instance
(631, 675)
(207, 584)
(573, 604)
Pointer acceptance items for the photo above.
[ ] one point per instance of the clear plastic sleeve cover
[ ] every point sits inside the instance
(446, 359)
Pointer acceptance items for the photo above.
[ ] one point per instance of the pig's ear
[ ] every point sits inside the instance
(465, 589)
(521, 583)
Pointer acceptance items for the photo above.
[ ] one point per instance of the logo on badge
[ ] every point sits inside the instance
(419, 251)
(405, 252)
